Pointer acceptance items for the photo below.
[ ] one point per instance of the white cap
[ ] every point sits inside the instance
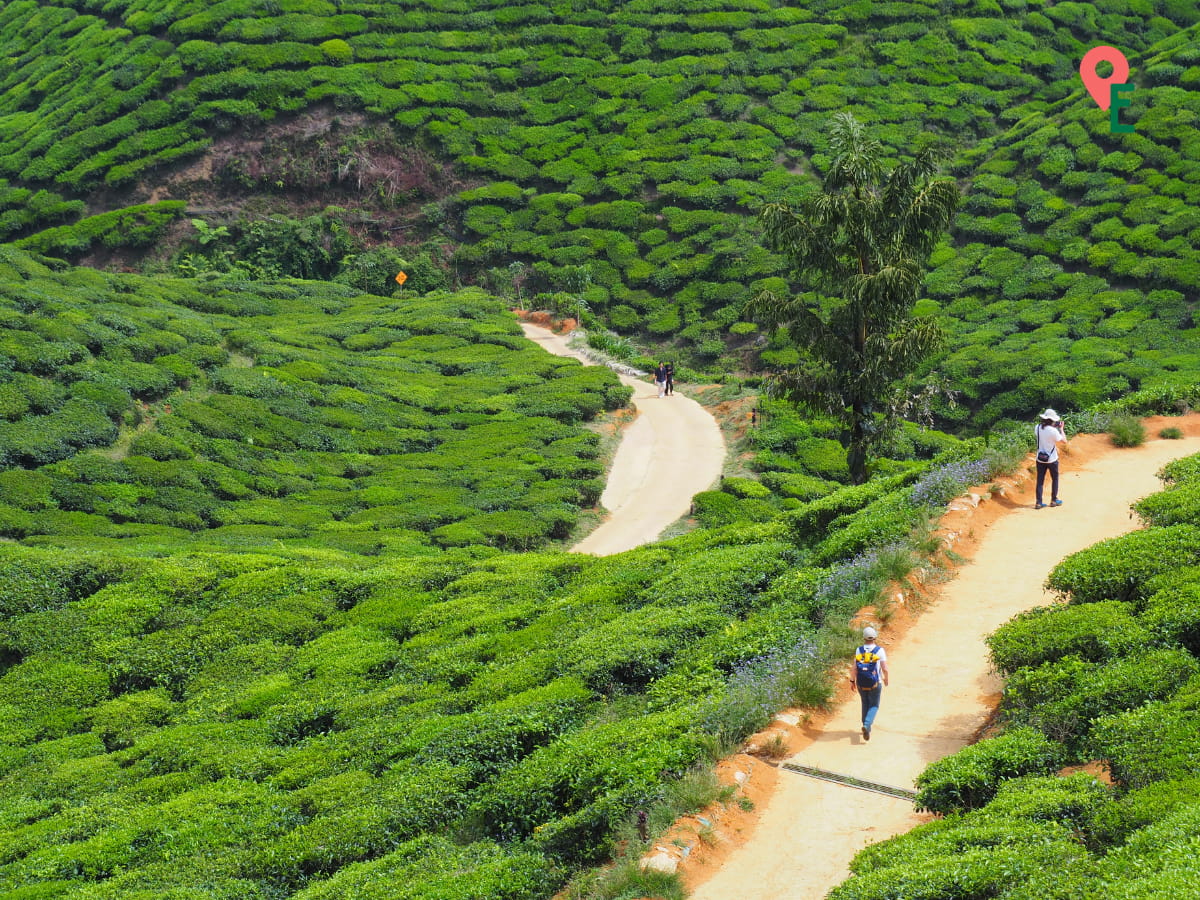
(1050, 414)
(869, 633)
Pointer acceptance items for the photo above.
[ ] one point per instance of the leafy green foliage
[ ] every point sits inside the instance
(232, 414)
(862, 242)
(628, 145)
(1126, 431)
(1063, 698)
(1179, 504)
(971, 777)
(1119, 568)
(335, 665)
(309, 721)
(1094, 632)
(1022, 844)
(133, 226)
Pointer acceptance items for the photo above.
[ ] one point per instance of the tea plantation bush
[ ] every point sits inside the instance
(1094, 632)
(348, 421)
(1178, 504)
(274, 621)
(285, 625)
(620, 149)
(1119, 569)
(1065, 697)
(1173, 613)
(311, 722)
(1023, 844)
(971, 777)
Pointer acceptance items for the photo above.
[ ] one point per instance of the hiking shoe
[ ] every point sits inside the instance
(866, 733)
(1039, 505)
(1056, 503)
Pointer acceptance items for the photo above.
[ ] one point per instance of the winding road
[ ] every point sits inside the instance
(673, 450)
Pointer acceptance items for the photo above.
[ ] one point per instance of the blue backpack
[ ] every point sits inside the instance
(866, 669)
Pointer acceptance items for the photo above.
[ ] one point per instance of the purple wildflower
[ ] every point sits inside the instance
(939, 486)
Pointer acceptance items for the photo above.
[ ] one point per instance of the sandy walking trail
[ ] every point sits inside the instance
(673, 450)
(941, 689)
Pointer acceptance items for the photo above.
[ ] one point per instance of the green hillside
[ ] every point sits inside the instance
(615, 151)
(173, 413)
(286, 721)
(1075, 271)
(280, 610)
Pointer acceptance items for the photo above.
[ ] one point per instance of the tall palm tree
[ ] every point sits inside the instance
(860, 246)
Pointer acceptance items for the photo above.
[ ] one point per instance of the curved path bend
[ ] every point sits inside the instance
(673, 450)
(942, 690)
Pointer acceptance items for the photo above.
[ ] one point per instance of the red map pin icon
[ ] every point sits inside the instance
(1097, 86)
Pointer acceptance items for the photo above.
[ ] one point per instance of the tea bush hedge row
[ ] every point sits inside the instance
(310, 722)
(1023, 844)
(343, 419)
(1120, 568)
(1094, 633)
(970, 778)
(1058, 260)
(1064, 698)
(672, 122)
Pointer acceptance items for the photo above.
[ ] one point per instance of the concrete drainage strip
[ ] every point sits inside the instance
(850, 781)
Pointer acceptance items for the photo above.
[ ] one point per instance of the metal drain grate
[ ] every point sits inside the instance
(851, 781)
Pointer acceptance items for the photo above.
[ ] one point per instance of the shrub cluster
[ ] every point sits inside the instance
(467, 724)
(616, 152)
(229, 414)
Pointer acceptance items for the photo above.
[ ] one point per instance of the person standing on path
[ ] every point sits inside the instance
(868, 675)
(660, 378)
(670, 373)
(1049, 434)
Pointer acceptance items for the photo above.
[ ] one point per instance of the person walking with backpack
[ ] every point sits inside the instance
(1049, 434)
(868, 675)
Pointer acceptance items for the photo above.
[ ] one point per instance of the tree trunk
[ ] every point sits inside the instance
(856, 451)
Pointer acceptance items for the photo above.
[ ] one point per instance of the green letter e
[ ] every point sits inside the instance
(1115, 103)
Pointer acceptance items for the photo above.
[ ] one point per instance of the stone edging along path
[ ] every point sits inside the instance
(799, 840)
(673, 450)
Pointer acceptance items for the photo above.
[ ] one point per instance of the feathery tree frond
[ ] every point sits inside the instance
(858, 249)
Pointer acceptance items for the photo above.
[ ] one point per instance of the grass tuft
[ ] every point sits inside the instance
(1126, 431)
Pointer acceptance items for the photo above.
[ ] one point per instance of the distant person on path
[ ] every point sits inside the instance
(670, 379)
(660, 379)
(1049, 433)
(868, 675)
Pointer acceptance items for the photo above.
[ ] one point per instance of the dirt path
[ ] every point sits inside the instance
(671, 452)
(941, 689)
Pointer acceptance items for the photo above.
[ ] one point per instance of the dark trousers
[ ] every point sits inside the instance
(670, 385)
(1043, 468)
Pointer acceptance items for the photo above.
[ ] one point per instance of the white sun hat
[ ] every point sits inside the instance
(1050, 414)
